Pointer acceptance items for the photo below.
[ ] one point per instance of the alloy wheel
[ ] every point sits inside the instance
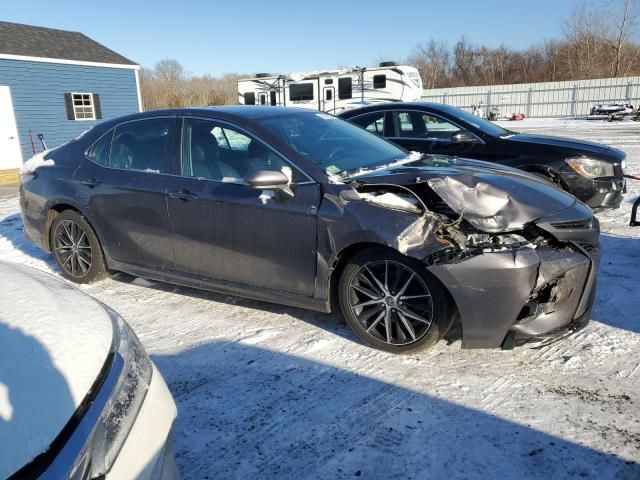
(391, 302)
(72, 248)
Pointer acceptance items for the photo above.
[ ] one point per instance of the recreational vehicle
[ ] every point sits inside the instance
(333, 91)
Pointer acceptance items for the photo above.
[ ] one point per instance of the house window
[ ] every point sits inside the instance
(344, 88)
(249, 98)
(379, 81)
(83, 106)
(301, 91)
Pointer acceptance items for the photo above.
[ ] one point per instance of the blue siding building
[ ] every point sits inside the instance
(56, 84)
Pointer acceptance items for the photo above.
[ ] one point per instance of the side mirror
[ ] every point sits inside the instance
(463, 137)
(269, 179)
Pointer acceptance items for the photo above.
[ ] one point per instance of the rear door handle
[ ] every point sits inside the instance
(183, 195)
(91, 182)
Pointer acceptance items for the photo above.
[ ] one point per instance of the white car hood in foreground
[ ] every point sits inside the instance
(54, 341)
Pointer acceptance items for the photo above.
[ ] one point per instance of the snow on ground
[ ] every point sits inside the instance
(268, 391)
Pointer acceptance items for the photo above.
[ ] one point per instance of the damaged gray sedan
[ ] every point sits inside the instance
(300, 208)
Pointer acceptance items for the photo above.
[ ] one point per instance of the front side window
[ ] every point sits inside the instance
(301, 91)
(371, 122)
(345, 88)
(218, 152)
(415, 124)
(438, 128)
(143, 145)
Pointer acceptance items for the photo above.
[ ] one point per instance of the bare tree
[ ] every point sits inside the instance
(433, 61)
(599, 40)
(624, 21)
(168, 85)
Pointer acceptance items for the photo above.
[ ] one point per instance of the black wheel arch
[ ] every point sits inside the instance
(339, 263)
(55, 209)
(348, 252)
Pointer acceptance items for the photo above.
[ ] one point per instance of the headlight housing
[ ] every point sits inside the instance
(590, 167)
(120, 413)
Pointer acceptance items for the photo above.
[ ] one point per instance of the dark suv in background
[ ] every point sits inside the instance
(590, 171)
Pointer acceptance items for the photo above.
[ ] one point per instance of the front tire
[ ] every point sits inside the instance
(392, 302)
(76, 248)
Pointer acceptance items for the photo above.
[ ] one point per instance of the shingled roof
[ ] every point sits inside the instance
(30, 41)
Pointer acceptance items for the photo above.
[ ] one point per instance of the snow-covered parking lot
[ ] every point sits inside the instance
(267, 391)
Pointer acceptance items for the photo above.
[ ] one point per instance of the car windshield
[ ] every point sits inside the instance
(486, 126)
(336, 146)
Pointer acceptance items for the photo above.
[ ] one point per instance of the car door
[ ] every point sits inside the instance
(427, 132)
(230, 232)
(124, 182)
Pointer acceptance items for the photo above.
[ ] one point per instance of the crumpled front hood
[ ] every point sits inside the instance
(579, 146)
(490, 197)
(54, 341)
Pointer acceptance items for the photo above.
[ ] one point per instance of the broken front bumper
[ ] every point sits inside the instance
(526, 292)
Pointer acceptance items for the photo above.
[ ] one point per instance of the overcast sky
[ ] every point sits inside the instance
(284, 36)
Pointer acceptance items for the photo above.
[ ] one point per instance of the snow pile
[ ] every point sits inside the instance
(412, 157)
(36, 162)
(265, 196)
(392, 200)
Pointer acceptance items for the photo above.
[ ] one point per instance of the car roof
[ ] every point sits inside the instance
(238, 111)
(395, 106)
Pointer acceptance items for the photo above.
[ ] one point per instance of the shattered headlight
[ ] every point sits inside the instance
(590, 167)
(123, 406)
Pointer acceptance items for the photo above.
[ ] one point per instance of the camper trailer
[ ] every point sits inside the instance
(333, 91)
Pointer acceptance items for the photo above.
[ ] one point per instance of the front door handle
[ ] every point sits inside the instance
(183, 195)
(91, 182)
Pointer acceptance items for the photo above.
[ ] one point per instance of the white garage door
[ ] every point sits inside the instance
(10, 156)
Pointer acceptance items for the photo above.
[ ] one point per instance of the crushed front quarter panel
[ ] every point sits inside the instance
(491, 290)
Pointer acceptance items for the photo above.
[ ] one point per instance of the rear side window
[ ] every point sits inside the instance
(371, 122)
(379, 81)
(345, 90)
(249, 98)
(99, 152)
(301, 91)
(142, 145)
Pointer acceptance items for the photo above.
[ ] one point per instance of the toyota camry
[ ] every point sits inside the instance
(305, 209)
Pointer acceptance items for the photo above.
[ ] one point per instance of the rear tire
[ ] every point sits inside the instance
(392, 302)
(76, 248)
